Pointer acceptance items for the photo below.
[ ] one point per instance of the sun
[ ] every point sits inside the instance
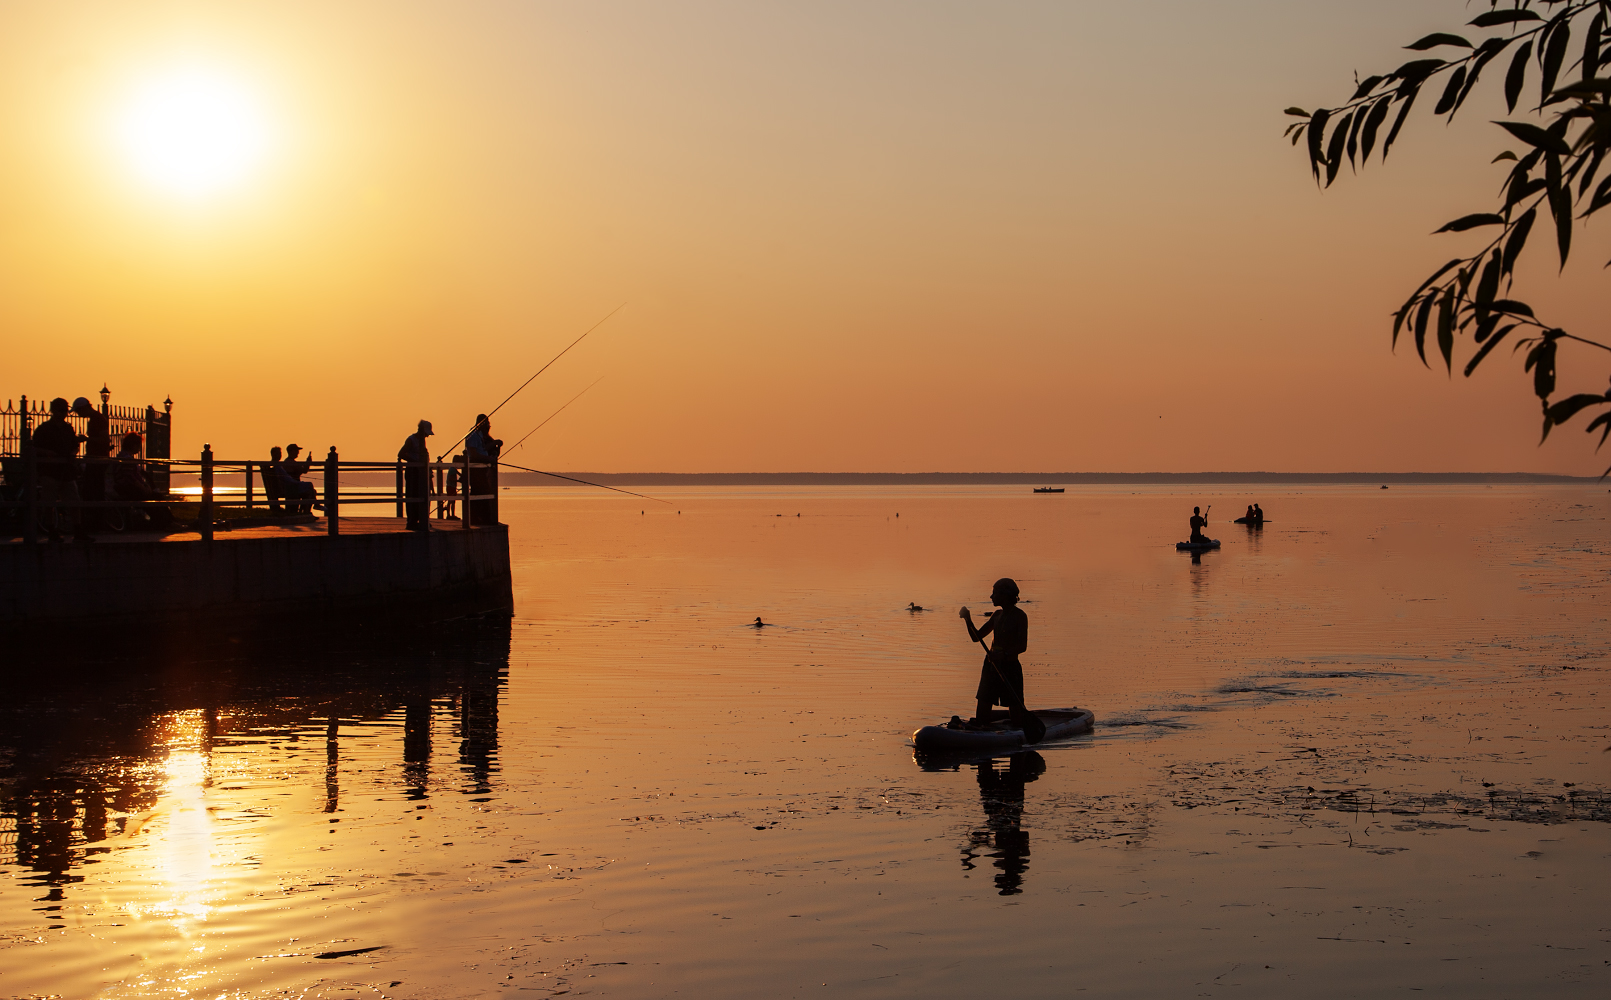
(193, 132)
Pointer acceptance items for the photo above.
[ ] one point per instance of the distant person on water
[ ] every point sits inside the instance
(301, 495)
(56, 448)
(1258, 513)
(1251, 516)
(1198, 523)
(417, 477)
(1001, 678)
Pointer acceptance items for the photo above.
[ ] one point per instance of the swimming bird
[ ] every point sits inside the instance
(914, 606)
(757, 623)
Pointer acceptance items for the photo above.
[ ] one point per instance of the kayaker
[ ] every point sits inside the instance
(1198, 523)
(1251, 516)
(1011, 627)
(1258, 514)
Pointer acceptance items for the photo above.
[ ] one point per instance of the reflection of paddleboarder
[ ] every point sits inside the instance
(1001, 794)
(1001, 677)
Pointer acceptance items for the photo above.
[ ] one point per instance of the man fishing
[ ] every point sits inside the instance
(1001, 678)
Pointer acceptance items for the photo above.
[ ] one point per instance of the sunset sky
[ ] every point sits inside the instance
(850, 236)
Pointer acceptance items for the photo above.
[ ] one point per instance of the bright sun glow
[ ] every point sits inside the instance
(193, 133)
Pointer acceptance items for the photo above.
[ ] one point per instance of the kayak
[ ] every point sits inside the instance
(1212, 543)
(1061, 723)
(1256, 522)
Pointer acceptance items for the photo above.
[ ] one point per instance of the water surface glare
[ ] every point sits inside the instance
(1360, 750)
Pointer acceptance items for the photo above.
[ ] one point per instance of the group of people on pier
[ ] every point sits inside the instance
(67, 479)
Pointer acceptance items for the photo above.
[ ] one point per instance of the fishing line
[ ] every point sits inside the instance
(544, 368)
(584, 482)
(556, 413)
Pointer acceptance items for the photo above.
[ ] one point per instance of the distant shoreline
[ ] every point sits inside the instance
(509, 477)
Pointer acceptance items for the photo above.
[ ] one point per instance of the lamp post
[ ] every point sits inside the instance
(106, 394)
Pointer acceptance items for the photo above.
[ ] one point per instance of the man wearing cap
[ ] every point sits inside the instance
(417, 477)
(301, 496)
(56, 447)
(97, 459)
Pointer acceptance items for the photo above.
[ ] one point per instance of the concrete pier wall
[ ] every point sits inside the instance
(432, 574)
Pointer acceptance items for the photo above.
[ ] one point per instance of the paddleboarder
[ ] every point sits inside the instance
(1001, 677)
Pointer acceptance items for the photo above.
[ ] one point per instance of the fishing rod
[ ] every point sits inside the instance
(544, 368)
(556, 413)
(584, 482)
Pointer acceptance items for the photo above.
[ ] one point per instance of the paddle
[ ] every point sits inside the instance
(1034, 729)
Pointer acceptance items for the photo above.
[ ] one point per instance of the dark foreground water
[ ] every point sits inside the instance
(1358, 753)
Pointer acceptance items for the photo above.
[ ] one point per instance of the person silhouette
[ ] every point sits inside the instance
(1001, 676)
(1198, 523)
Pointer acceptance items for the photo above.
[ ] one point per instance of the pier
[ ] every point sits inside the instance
(238, 557)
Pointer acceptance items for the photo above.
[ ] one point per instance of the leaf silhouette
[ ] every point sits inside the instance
(1535, 136)
(1560, 36)
(1492, 342)
(1403, 113)
(1496, 17)
(1373, 121)
(1435, 39)
(1451, 91)
(1517, 75)
(1518, 239)
(1472, 221)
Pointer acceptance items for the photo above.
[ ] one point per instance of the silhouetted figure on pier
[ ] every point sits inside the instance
(455, 480)
(1198, 523)
(300, 495)
(417, 477)
(56, 449)
(273, 485)
(1001, 677)
(129, 482)
(97, 460)
(482, 448)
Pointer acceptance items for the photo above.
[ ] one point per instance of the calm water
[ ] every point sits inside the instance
(1359, 751)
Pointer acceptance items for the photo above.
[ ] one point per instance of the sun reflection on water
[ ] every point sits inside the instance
(184, 852)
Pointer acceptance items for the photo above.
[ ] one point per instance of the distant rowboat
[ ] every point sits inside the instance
(1048, 489)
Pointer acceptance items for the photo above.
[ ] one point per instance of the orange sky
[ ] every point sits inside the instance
(851, 237)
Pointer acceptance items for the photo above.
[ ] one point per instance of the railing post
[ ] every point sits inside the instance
(465, 517)
(332, 493)
(206, 519)
(248, 485)
(30, 475)
(399, 488)
(492, 480)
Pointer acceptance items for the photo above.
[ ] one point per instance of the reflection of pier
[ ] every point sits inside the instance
(82, 764)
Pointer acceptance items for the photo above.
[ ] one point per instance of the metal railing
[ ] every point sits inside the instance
(475, 490)
(18, 421)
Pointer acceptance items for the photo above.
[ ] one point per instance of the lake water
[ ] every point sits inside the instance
(1360, 751)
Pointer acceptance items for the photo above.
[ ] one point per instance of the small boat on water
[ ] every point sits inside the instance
(1048, 489)
(1212, 543)
(1061, 723)
(1256, 522)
